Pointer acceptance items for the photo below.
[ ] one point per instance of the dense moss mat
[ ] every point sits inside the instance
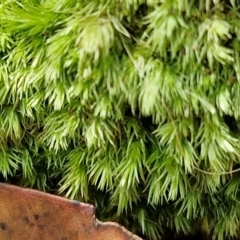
(130, 105)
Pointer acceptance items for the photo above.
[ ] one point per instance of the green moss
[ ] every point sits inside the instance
(130, 105)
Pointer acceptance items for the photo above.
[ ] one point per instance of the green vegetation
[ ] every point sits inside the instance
(132, 105)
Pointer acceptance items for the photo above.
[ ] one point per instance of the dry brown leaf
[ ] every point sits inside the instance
(27, 214)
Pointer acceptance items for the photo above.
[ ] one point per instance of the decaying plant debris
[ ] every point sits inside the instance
(30, 214)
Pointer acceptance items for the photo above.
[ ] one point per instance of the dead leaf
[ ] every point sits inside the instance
(27, 214)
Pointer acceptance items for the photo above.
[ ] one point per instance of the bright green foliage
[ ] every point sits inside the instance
(133, 105)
